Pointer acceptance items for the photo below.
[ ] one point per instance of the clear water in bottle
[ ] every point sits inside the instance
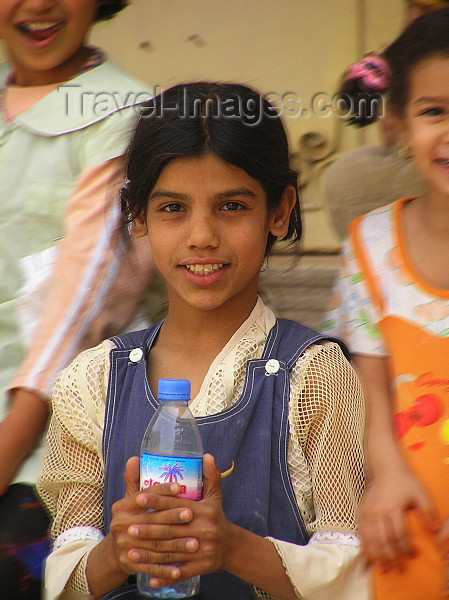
(172, 451)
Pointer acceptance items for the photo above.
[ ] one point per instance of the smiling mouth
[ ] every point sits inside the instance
(204, 269)
(41, 31)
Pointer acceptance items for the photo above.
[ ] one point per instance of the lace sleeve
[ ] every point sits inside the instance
(327, 425)
(71, 478)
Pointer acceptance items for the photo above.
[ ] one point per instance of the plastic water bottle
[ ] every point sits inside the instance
(172, 452)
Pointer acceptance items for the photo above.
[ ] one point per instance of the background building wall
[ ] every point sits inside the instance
(300, 47)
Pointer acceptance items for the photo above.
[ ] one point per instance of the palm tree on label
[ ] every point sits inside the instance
(171, 473)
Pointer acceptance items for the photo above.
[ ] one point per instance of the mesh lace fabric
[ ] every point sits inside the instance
(324, 458)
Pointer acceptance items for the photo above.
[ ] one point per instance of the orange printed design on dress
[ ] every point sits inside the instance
(394, 262)
(436, 310)
(425, 410)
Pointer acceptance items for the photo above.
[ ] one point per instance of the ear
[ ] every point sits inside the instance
(139, 226)
(280, 217)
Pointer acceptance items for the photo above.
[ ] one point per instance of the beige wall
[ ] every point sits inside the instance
(277, 46)
(280, 46)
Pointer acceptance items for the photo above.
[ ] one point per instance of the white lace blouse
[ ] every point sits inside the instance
(325, 461)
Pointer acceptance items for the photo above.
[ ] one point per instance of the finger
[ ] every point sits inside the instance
(166, 552)
(211, 478)
(162, 524)
(132, 475)
(399, 539)
(377, 540)
(168, 573)
(428, 512)
(165, 575)
(160, 497)
(370, 533)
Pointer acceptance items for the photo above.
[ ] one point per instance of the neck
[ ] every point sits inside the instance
(432, 212)
(205, 328)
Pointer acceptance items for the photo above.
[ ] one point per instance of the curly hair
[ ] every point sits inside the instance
(106, 9)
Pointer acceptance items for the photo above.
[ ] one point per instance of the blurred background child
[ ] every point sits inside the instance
(66, 113)
(392, 308)
(373, 175)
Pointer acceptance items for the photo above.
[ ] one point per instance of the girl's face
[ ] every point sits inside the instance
(208, 223)
(426, 122)
(45, 39)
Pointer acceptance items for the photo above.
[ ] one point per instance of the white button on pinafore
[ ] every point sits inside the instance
(136, 355)
(272, 366)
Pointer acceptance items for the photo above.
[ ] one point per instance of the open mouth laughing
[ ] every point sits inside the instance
(40, 31)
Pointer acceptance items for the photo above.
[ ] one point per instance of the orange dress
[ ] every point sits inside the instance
(420, 371)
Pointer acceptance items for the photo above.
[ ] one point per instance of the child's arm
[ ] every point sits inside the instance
(19, 432)
(195, 534)
(392, 487)
(92, 293)
(63, 331)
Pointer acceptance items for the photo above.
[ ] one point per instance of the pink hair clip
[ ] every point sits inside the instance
(373, 71)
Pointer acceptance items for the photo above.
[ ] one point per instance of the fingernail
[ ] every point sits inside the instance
(184, 515)
(142, 499)
(191, 545)
(133, 530)
(174, 488)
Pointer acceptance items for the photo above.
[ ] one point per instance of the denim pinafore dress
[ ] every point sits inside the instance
(253, 433)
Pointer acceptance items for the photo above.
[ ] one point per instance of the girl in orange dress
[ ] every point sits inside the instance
(392, 308)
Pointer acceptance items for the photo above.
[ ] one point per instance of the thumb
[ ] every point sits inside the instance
(211, 477)
(132, 475)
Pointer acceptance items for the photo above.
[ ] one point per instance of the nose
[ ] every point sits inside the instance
(202, 232)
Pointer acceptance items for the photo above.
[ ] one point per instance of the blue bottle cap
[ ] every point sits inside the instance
(174, 389)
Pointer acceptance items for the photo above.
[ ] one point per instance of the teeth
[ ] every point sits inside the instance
(41, 26)
(204, 269)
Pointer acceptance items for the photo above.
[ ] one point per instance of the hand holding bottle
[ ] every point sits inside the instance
(139, 537)
(193, 534)
(207, 527)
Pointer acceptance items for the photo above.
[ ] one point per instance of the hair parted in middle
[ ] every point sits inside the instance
(232, 121)
(365, 82)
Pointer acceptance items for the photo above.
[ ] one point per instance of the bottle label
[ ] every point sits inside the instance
(187, 471)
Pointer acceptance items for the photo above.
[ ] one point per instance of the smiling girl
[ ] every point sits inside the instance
(60, 171)
(210, 193)
(393, 311)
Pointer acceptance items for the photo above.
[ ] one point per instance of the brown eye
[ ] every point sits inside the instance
(172, 207)
(232, 206)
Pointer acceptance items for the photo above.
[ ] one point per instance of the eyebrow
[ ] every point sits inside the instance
(427, 99)
(240, 191)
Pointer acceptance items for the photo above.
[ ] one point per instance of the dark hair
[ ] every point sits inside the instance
(233, 121)
(425, 37)
(106, 9)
